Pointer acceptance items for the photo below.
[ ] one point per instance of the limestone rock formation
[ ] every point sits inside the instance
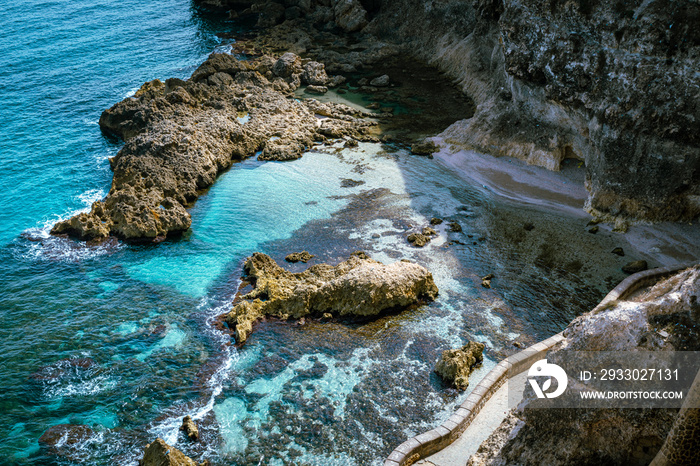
(380, 81)
(455, 365)
(314, 74)
(418, 240)
(421, 239)
(613, 84)
(665, 318)
(609, 83)
(181, 134)
(358, 287)
(159, 453)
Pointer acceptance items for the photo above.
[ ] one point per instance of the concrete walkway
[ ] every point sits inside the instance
(488, 419)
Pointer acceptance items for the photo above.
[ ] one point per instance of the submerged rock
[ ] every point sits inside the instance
(190, 428)
(65, 439)
(181, 134)
(455, 365)
(303, 256)
(358, 286)
(455, 227)
(159, 453)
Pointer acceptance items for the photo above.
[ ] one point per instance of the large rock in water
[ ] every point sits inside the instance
(455, 365)
(181, 134)
(358, 286)
(159, 453)
(665, 318)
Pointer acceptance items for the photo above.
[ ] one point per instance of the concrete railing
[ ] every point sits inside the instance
(434, 440)
(638, 280)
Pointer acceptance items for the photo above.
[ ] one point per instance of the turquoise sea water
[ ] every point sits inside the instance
(121, 338)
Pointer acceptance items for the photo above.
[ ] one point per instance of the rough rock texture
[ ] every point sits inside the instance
(159, 453)
(680, 448)
(455, 365)
(359, 286)
(349, 14)
(665, 318)
(303, 256)
(426, 147)
(421, 239)
(611, 83)
(190, 428)
(180, 134)
(418, 240)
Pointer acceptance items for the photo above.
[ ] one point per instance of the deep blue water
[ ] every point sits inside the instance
(120, 338)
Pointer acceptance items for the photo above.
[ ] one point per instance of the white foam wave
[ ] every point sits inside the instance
(84, 388)
(42, 246)
(131, 92)
(225, 49)
(168, 429)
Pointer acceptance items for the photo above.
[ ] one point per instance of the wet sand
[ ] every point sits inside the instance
(564, 192)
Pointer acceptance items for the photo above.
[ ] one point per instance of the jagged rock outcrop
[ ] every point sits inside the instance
(358, 287)
(456, 365)
(181, 134)
(613, 84)
(190, 428)
(159, 453)
(303, 256)
(665, 318)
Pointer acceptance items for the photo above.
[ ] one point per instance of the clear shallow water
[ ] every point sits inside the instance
(121, 339)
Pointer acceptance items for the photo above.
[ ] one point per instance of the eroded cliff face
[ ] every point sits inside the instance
(665, 318)
(614, 84)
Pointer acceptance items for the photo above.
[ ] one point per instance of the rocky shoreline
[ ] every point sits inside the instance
(612, 85)
(181, 134)
(596, 89)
